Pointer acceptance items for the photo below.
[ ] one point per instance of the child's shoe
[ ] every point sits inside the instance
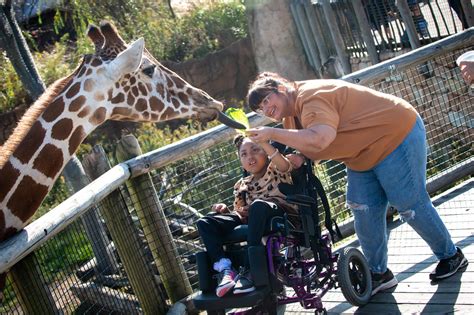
(225, 281)
(243, 284)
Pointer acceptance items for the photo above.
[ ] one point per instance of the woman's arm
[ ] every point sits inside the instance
(317, 137)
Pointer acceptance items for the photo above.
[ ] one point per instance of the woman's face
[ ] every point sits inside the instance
(275, 106)
(252, 157)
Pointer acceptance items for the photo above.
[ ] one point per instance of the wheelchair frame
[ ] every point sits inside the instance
(281, 263)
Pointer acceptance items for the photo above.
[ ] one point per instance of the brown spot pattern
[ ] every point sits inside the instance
(121, 111)
(84, 112)
(62, 129)
(89, 71)
(8, 174)
(169, 83)
(135, 91)
(98, 96)
(169, 113)
(183, 98)
(130, 99)
(133, 80)
(27, 198)
(160, 89)
(49, 161)
(76, 138)
(156, 104)
(178, 81)
(141, 105)
(77, 103)
(142, 89)
(96, 62)
(53, 110)
(176, 103)
(32, 141)
(73, 90)
(98, 117)
(81, 72)
(88, 85)
(119, 98)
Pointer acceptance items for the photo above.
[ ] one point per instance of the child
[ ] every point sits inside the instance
(257, 200)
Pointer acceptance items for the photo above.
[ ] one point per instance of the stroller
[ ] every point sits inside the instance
(296, 264)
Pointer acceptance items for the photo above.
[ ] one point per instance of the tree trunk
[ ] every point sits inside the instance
(275, 40)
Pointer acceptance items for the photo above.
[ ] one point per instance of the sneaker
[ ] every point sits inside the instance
(225, 281)
(449, 266)
(244, 284)
(383, 281)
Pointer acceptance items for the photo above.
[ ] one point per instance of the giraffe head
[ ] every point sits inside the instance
(127, 83)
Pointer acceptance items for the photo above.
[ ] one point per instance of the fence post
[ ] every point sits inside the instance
(126, 239)
(468, 12)
(366, 31)
(337, 37)
(405, 12)
(31, 288)
(317, 32)
(76, 180)
(155, 225)
(303, 22)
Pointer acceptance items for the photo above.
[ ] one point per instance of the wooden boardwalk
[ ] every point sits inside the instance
(411, 261)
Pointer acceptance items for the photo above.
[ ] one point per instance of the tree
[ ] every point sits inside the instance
(13, 42)
(275, 39)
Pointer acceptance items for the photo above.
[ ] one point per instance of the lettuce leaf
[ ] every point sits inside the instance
(239, 116)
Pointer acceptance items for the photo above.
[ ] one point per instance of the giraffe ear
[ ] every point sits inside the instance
(128, 60)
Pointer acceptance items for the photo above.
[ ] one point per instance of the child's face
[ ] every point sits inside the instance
(252, 157)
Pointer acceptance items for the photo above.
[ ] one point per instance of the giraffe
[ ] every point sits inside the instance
(117, 82)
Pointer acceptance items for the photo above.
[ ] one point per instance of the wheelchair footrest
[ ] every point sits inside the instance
(210, 301)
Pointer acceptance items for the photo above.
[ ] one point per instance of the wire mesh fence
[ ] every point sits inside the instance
(354, 26)
(150, 232)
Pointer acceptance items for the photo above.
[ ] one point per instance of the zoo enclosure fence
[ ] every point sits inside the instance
(359, 32)
(124, 243)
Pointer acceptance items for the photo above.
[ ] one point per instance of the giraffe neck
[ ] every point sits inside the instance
(34, 165)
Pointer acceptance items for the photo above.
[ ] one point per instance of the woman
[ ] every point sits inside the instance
(382, 141)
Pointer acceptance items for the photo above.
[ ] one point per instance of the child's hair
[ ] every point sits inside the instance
(238, 139)
(264, 84)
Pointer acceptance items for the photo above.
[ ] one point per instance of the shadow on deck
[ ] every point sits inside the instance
(411, 260)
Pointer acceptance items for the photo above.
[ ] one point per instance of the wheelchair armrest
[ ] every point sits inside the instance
(301, 200)
(205, 273)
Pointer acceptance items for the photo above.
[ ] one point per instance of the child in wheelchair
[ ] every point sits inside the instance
(257, 200)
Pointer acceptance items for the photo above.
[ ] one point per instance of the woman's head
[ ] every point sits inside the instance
(269, 95)
(252, 156)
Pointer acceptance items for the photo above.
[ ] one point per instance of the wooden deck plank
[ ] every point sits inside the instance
(411, 260)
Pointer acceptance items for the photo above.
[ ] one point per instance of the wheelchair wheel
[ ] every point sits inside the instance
(354, 276)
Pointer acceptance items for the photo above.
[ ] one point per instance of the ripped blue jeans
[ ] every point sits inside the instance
(401, 180)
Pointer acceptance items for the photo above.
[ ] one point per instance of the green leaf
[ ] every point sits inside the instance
(239, 116)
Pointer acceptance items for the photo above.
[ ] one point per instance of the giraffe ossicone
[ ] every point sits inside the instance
(117, 82)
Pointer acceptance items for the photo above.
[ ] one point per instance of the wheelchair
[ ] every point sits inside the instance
(296, 264)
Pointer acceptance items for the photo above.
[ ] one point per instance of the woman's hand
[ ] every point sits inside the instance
(260, 134)
(243, 211)
(220, 208)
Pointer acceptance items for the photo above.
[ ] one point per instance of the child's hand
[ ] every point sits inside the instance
(243, 211)
(220, 208)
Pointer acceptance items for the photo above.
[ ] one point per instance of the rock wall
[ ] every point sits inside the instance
(225, 74)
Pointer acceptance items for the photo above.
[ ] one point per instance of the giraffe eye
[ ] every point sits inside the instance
(149, 70)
